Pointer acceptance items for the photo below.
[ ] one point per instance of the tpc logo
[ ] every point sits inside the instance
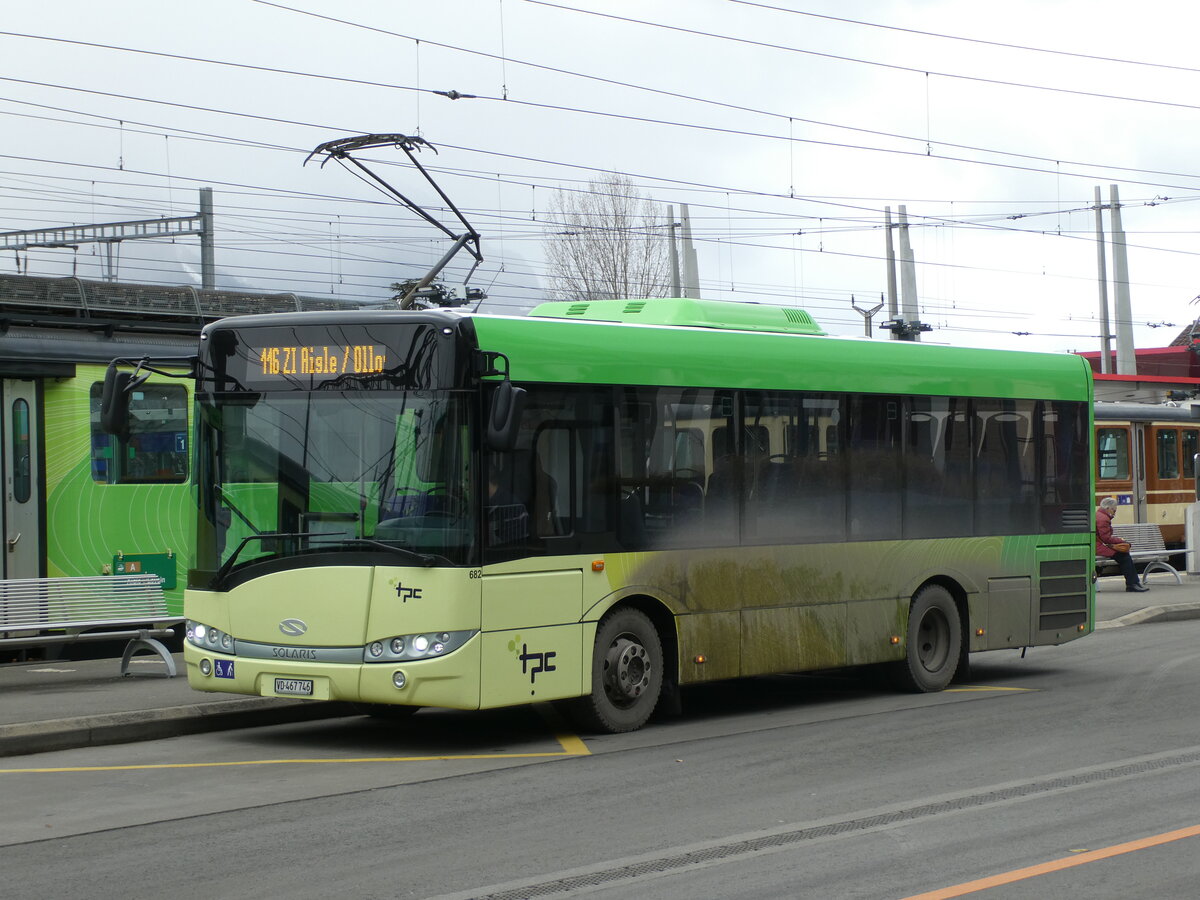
(541, 661)
(406, 593)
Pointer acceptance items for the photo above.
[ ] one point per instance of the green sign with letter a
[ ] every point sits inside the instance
(160, 564)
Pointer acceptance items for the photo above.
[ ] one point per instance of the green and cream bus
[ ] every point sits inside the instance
(599, 503)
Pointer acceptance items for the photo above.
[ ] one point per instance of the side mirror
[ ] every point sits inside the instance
(114, 402)
(504, 417)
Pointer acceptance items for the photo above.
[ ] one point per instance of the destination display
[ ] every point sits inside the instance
(371, 355)
(354, 359)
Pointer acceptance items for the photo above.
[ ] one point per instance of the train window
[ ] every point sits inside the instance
(1189, 447)
(156, 449)
(1112, 453)
(1167, 444)
(22, 465)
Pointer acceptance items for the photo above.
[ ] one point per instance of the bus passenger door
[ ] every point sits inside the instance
(23, 499)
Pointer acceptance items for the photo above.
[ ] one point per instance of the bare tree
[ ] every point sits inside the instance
(607, 242)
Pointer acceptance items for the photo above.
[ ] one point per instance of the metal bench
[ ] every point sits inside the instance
(36, 612)
(1145, 545)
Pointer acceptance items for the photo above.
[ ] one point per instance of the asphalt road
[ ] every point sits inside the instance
(1069, 773)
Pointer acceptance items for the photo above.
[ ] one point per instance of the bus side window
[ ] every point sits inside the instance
(554, 478)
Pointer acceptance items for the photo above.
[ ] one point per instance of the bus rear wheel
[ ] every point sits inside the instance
(627, 675)
(934, 642)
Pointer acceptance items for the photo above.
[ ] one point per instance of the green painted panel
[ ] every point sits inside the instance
(88, 523)
(572, 351)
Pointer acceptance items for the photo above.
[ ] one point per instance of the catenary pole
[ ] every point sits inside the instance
(1102, 274)
(208, 275)
(893, 310)
(673, 251)
(1126, 359)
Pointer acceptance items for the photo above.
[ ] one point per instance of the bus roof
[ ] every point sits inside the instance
(686, 311)
(577, 350)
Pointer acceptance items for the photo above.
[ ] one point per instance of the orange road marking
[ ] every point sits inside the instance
(1057, 865)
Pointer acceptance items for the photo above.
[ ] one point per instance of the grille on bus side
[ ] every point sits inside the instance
(1062, 594)
(798, 317)
(1076, 518)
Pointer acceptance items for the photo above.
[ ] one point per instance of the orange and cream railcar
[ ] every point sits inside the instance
(1146, 457)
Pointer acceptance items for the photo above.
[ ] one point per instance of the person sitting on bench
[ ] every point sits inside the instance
(1111, 546)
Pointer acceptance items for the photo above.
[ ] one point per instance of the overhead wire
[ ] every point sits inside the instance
(867, 62)
(576, 111)
(971, 40)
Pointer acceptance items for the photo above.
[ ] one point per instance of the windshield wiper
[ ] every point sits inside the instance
(425, 559)
(227, 566)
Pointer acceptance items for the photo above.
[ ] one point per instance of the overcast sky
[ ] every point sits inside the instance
(785, 126)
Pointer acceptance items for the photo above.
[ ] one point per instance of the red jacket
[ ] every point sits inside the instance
(1104, 534)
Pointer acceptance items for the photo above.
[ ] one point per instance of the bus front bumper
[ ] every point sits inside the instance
(450, 681)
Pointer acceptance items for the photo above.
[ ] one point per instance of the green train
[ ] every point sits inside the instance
(78, 502)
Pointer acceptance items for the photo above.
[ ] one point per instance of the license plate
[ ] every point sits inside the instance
(294, 687)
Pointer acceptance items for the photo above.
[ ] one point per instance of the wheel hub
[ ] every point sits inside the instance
(627, 669)
(933, 641)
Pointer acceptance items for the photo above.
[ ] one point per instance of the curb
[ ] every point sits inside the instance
(1173, 613)
(154, 724)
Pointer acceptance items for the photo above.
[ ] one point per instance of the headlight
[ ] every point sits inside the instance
(416, 646)
(209, 638)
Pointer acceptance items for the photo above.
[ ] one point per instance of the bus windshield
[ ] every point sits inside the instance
(293, 474)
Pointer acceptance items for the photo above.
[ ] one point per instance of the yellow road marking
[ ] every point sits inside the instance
(283, 762)
(571, 745)
(1057, 865)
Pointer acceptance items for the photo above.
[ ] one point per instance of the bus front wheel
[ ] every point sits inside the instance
(934, 642)
(627, 674)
